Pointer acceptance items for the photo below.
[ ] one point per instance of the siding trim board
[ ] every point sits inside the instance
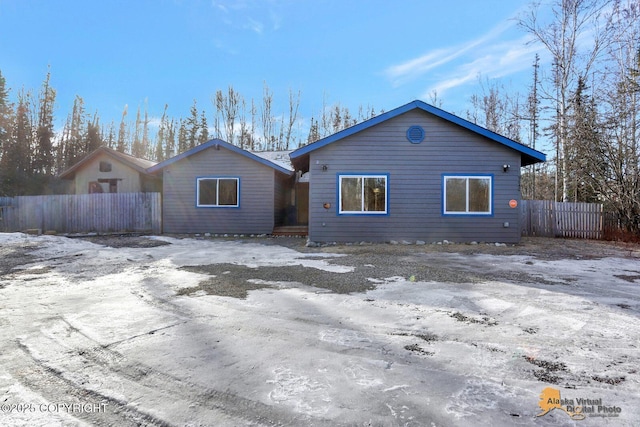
(199, 206)
(256, 210)
(216, 144)
(444, 212)
(415, 184)
(339, 212)
(529, 155)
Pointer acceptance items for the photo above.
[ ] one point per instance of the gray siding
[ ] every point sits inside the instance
(415, 183)
(255, 214)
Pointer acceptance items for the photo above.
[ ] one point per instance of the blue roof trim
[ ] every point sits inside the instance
(534, 154)
(222, 144)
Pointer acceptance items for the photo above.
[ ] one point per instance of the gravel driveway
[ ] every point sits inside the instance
(177, 330)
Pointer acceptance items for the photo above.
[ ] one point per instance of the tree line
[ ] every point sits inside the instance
(585, 105)
(32, 154)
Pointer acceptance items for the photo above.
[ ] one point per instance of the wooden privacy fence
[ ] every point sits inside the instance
(101, 213)
(560, 219)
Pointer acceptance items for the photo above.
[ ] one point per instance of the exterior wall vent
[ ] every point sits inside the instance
(415, 134)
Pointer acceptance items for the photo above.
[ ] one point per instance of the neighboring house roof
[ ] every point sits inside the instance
(280, 158)
(218, 143)
(529, 155)
(140, 165)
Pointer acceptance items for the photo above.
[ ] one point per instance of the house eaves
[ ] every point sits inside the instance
(529, 156)
(217, 144)
(139, 165)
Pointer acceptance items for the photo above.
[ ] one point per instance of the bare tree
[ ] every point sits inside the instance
(564, 37)
(227, 108)
(614, 167)
(294, 104)
(266, 118)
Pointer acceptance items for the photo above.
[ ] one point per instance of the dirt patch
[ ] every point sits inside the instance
(14, 255)
(608, 380)
(125, 241)
(542, 248)
(549, 371)
(485, 320)
(370, 268)
(225, 286)
(415, 348)
(628, 278)
(236, 280)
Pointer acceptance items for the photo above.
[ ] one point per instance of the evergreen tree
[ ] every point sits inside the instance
(314, 133)
(5, 116)
(183, 139)
(584, 141)
(110, 138)
(122, 133)
(93, 140)
(146, 145)
(44, 159)
(136, 146)
(15, 167)
(204, 129)
(74, 144)
(170, 140)
(192, 127)
(158, 155)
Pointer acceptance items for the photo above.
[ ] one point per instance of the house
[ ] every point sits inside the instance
(217, 187)
(109, 171)
(414, 173)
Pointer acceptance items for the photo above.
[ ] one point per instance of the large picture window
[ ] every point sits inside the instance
(467, 195)
(362, 194)
(218, 192)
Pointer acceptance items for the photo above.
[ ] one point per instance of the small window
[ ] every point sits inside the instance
(467, 195)
(218, 192)
(95, 187)
(362, 194)
(113, 184)
(105, 166)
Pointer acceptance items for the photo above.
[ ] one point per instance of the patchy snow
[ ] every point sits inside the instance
(87, 323)
(280, 158)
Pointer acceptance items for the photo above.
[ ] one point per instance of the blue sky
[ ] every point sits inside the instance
(378, 53)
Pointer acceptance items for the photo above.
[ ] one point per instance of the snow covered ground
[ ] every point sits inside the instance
(96, 335)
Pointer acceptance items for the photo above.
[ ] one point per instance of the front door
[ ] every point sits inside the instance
(302, 203)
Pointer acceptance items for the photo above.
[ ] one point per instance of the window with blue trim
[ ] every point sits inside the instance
(217, 192)
(362, 194)
(467, 195)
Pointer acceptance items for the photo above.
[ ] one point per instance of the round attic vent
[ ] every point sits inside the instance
(415, 134)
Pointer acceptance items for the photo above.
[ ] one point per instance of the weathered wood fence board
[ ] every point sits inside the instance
(559, 219)
(102, 213)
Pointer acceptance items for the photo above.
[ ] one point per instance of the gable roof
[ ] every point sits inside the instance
(140, 165)
(218, 143)
(529, 155)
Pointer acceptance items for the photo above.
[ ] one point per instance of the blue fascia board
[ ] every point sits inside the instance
(222, 144)
(536, 155)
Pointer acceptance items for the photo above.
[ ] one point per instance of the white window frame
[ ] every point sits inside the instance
(217, 179)
(467, 178)
(362, 210)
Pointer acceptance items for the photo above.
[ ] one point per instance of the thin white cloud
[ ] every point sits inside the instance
(417, 67)
(220, 6)
(255, 26)
(491, 55)
(493, 60)
(242, 15)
